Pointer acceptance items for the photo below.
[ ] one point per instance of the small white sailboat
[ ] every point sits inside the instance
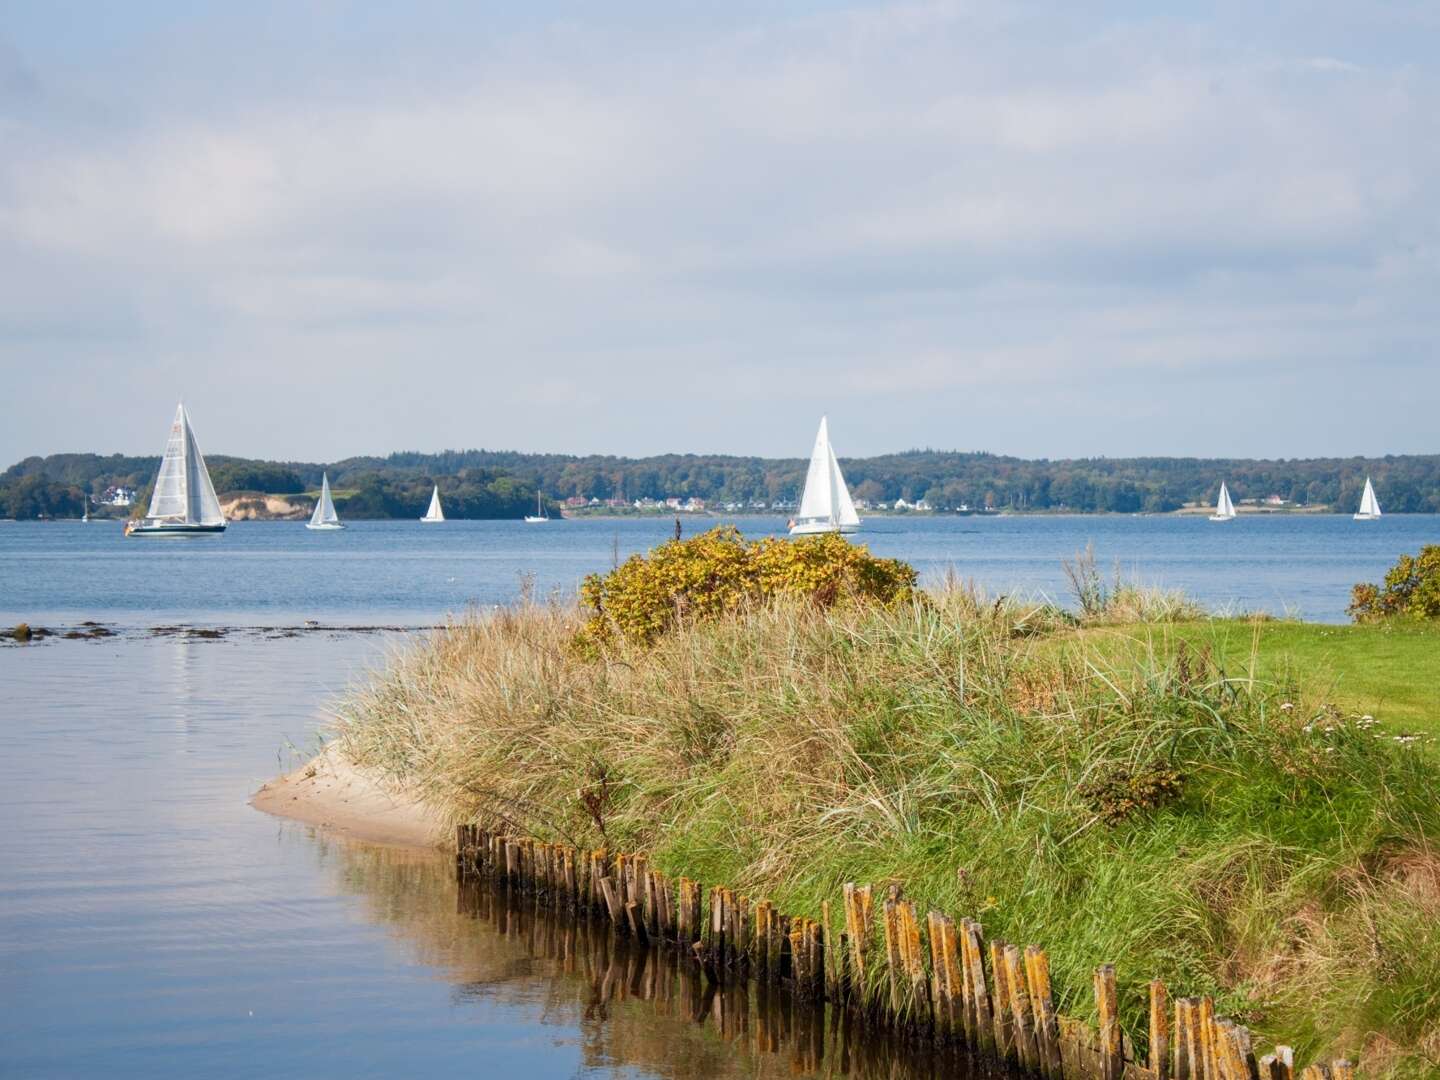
(1369, 505)
(539, 514)
(184, 502)
(324, 517)
(85, 517)
(825, 506)
(434, 514)
(1224, 508)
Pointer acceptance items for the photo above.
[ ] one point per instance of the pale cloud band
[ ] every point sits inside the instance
(981, 226)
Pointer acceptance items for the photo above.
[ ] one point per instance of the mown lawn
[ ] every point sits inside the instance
(1390, 671)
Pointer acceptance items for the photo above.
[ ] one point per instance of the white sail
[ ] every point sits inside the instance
(825, 505)
(183, 492)
(324, 509)
(1224, 508)
(1369, 505)
(434, 513)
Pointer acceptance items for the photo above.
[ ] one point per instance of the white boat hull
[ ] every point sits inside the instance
(816, 528)
(325, 527)
(535, 520)
(1367, 517)
(1221, 517)
(432, 521)
(175, 531)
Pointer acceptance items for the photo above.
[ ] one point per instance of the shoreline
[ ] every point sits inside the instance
(332, 792)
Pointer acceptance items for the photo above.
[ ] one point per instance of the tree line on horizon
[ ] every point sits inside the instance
(503, 484)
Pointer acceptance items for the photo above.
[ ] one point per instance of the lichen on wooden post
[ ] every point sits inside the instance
(1112, 1063)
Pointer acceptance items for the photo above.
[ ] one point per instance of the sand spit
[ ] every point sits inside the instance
(334, 793)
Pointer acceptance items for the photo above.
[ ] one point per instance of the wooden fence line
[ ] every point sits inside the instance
(993, 998)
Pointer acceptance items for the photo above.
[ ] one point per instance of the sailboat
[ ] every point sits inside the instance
(434, 514)
(1369, 505)
(324, 516)
(85, 517)
(184, 503)
(539, 514)
(825, 506)
(1224, 508)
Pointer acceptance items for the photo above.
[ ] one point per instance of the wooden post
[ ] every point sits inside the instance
(1285, 1059)
(891, 926)
(1210, 1065)
(832, 969)
(635, 919)
(613, 906)
(1189, 1062)
(1047, 1028)
(1004, 1019)
(980, 994)
(1159, 1030)
(1024, 1023)
(1112, 1063)
(955, 993)
(939, 985)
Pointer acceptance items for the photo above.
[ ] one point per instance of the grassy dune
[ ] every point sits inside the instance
(1223, 818)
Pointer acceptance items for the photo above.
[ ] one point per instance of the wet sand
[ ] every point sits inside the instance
(333, 792)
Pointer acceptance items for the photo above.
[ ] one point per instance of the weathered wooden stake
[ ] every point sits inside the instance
(1047, 1029)
(1004, 1018)
(1159, 1030)
(1024, 1021)
(1112, 1062)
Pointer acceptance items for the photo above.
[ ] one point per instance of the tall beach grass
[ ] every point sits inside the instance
(1137, 803)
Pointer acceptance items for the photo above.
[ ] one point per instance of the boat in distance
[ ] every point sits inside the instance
(1224, 508)
(1369, 505)
(539, 515)
(324, 519)
(434, 514)
(826, 506)
(184, 502)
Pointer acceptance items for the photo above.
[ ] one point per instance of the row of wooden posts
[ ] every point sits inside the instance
(991, 996)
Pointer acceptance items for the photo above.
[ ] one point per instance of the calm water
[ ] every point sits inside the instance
(276, 572)
(152, 924)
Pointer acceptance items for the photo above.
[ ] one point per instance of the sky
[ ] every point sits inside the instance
(1048, 229)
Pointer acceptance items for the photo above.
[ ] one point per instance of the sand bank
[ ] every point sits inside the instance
(333, 792)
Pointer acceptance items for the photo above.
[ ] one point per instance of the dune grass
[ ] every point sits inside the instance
(1389, 670)
(1110, 798)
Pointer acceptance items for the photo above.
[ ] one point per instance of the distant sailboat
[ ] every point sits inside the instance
(539, 514)
(434, 514)
(825, 506)
(1369, 505)
(184, 503)
(85, 517)
(324, 516)
(1224, 508)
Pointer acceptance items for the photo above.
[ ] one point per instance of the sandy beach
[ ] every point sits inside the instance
(333, 792)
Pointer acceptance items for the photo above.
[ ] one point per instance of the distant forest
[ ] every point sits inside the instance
(502, 484)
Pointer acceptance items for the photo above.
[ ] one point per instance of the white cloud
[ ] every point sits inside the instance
(911, 200)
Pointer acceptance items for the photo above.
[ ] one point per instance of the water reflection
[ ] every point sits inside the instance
(629, 1007)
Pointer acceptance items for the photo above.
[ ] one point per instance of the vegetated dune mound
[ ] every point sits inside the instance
(1114, 796)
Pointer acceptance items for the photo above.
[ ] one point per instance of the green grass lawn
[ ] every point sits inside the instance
(1390, 671)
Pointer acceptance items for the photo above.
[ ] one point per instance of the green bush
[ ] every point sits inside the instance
(1412, 588)
(720, 572)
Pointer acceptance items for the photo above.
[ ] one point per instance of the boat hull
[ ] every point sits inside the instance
(1221, 517)
(1367, 517)
(432, 521)
(536, 520)
(818, 528)
(325, 528)
(175, 531)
